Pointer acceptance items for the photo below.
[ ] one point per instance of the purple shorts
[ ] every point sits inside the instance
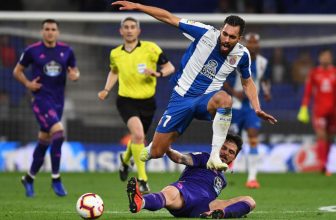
(47, 113)
(196, 201)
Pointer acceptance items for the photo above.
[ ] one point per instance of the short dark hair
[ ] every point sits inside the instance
(130, 19)
(235, 139)
(235, 20)
(49, 20)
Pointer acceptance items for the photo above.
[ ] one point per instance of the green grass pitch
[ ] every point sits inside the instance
(282, 196)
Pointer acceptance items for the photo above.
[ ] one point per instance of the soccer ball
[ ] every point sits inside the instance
(90, 206)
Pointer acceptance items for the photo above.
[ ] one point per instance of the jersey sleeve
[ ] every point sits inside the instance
(155, 52)
(244, 65)
(72, 59)
(200, 159)
(308, 89)
(113, 65)
(193, 29)
(26, 58)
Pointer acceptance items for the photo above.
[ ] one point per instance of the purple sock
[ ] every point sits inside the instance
(55, 151)
(154, 201)
(38, 156)
(237, 210)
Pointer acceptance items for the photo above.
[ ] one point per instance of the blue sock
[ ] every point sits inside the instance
(38, 156)
(154, 201)
(55, 151)
(237, 210)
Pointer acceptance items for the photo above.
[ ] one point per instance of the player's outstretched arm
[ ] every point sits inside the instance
(157, 13)
(252, 94)
(179, 158)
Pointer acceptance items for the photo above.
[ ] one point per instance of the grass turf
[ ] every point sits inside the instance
(281, 196)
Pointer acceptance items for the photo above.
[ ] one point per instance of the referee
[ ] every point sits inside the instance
(134, 65)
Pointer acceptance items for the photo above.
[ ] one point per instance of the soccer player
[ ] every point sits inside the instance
(195, 193)
(243, 115)
(52, 62)
(321, 85)
(211, 57)
(134, 66)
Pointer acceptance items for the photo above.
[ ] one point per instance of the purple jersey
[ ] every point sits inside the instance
(199, 186)
(50, 64)
(208, 180)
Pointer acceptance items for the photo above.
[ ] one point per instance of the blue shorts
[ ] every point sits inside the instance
(181, 111)
(47, 113)
(196, 201)
(244, 118)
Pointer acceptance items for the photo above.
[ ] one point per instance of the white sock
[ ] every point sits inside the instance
(252, 166)
(220, 127)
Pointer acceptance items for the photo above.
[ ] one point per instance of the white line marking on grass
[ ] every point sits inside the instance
(328, 208)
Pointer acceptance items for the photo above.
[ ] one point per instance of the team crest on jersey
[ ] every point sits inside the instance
(52, 69)
(218, 184)
(233, 59)
(209, 69)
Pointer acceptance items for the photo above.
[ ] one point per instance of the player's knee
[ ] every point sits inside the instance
(222, 100)
(157, 152)
(253, 141)
(138, 137)
(250, 201)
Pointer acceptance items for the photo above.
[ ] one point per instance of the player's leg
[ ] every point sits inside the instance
(57, 139)
(38, 160)
(253, 158)
(125, 159)
(322, 140)
(40, 109)
(220, 106)
(137, 144)
(233, 208)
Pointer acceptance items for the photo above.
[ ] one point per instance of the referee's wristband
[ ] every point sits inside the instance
(107, 90)
(161, 73)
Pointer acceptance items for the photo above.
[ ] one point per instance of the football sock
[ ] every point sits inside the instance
(252, 163)
(55, 151)
(322, 151)
(237, 210)
(141, 166)
(128, 153)
(154, 201)
(38, 157)
(220, 127)
(29, 178)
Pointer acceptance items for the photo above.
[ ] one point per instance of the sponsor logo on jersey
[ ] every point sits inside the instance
(218, 184)
(52, 69)
(209, 69)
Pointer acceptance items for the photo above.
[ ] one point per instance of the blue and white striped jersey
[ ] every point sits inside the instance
(203, 68)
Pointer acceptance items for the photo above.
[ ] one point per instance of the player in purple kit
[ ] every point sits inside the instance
(51, 63)
(195, 193)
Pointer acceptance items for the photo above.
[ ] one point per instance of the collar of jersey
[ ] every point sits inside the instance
(138, 45)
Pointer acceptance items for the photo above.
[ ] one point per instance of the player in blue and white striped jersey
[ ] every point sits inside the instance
(243, 116)
(211, 57)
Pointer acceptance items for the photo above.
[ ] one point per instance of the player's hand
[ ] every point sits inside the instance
(102, 95)
(149, 72)
(303, 115)
(125, 5)
(73, 74)
(34, 85)
(266, 117)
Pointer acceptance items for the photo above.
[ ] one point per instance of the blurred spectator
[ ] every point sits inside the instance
(226, 6)
(301, 67)
(279, 67)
